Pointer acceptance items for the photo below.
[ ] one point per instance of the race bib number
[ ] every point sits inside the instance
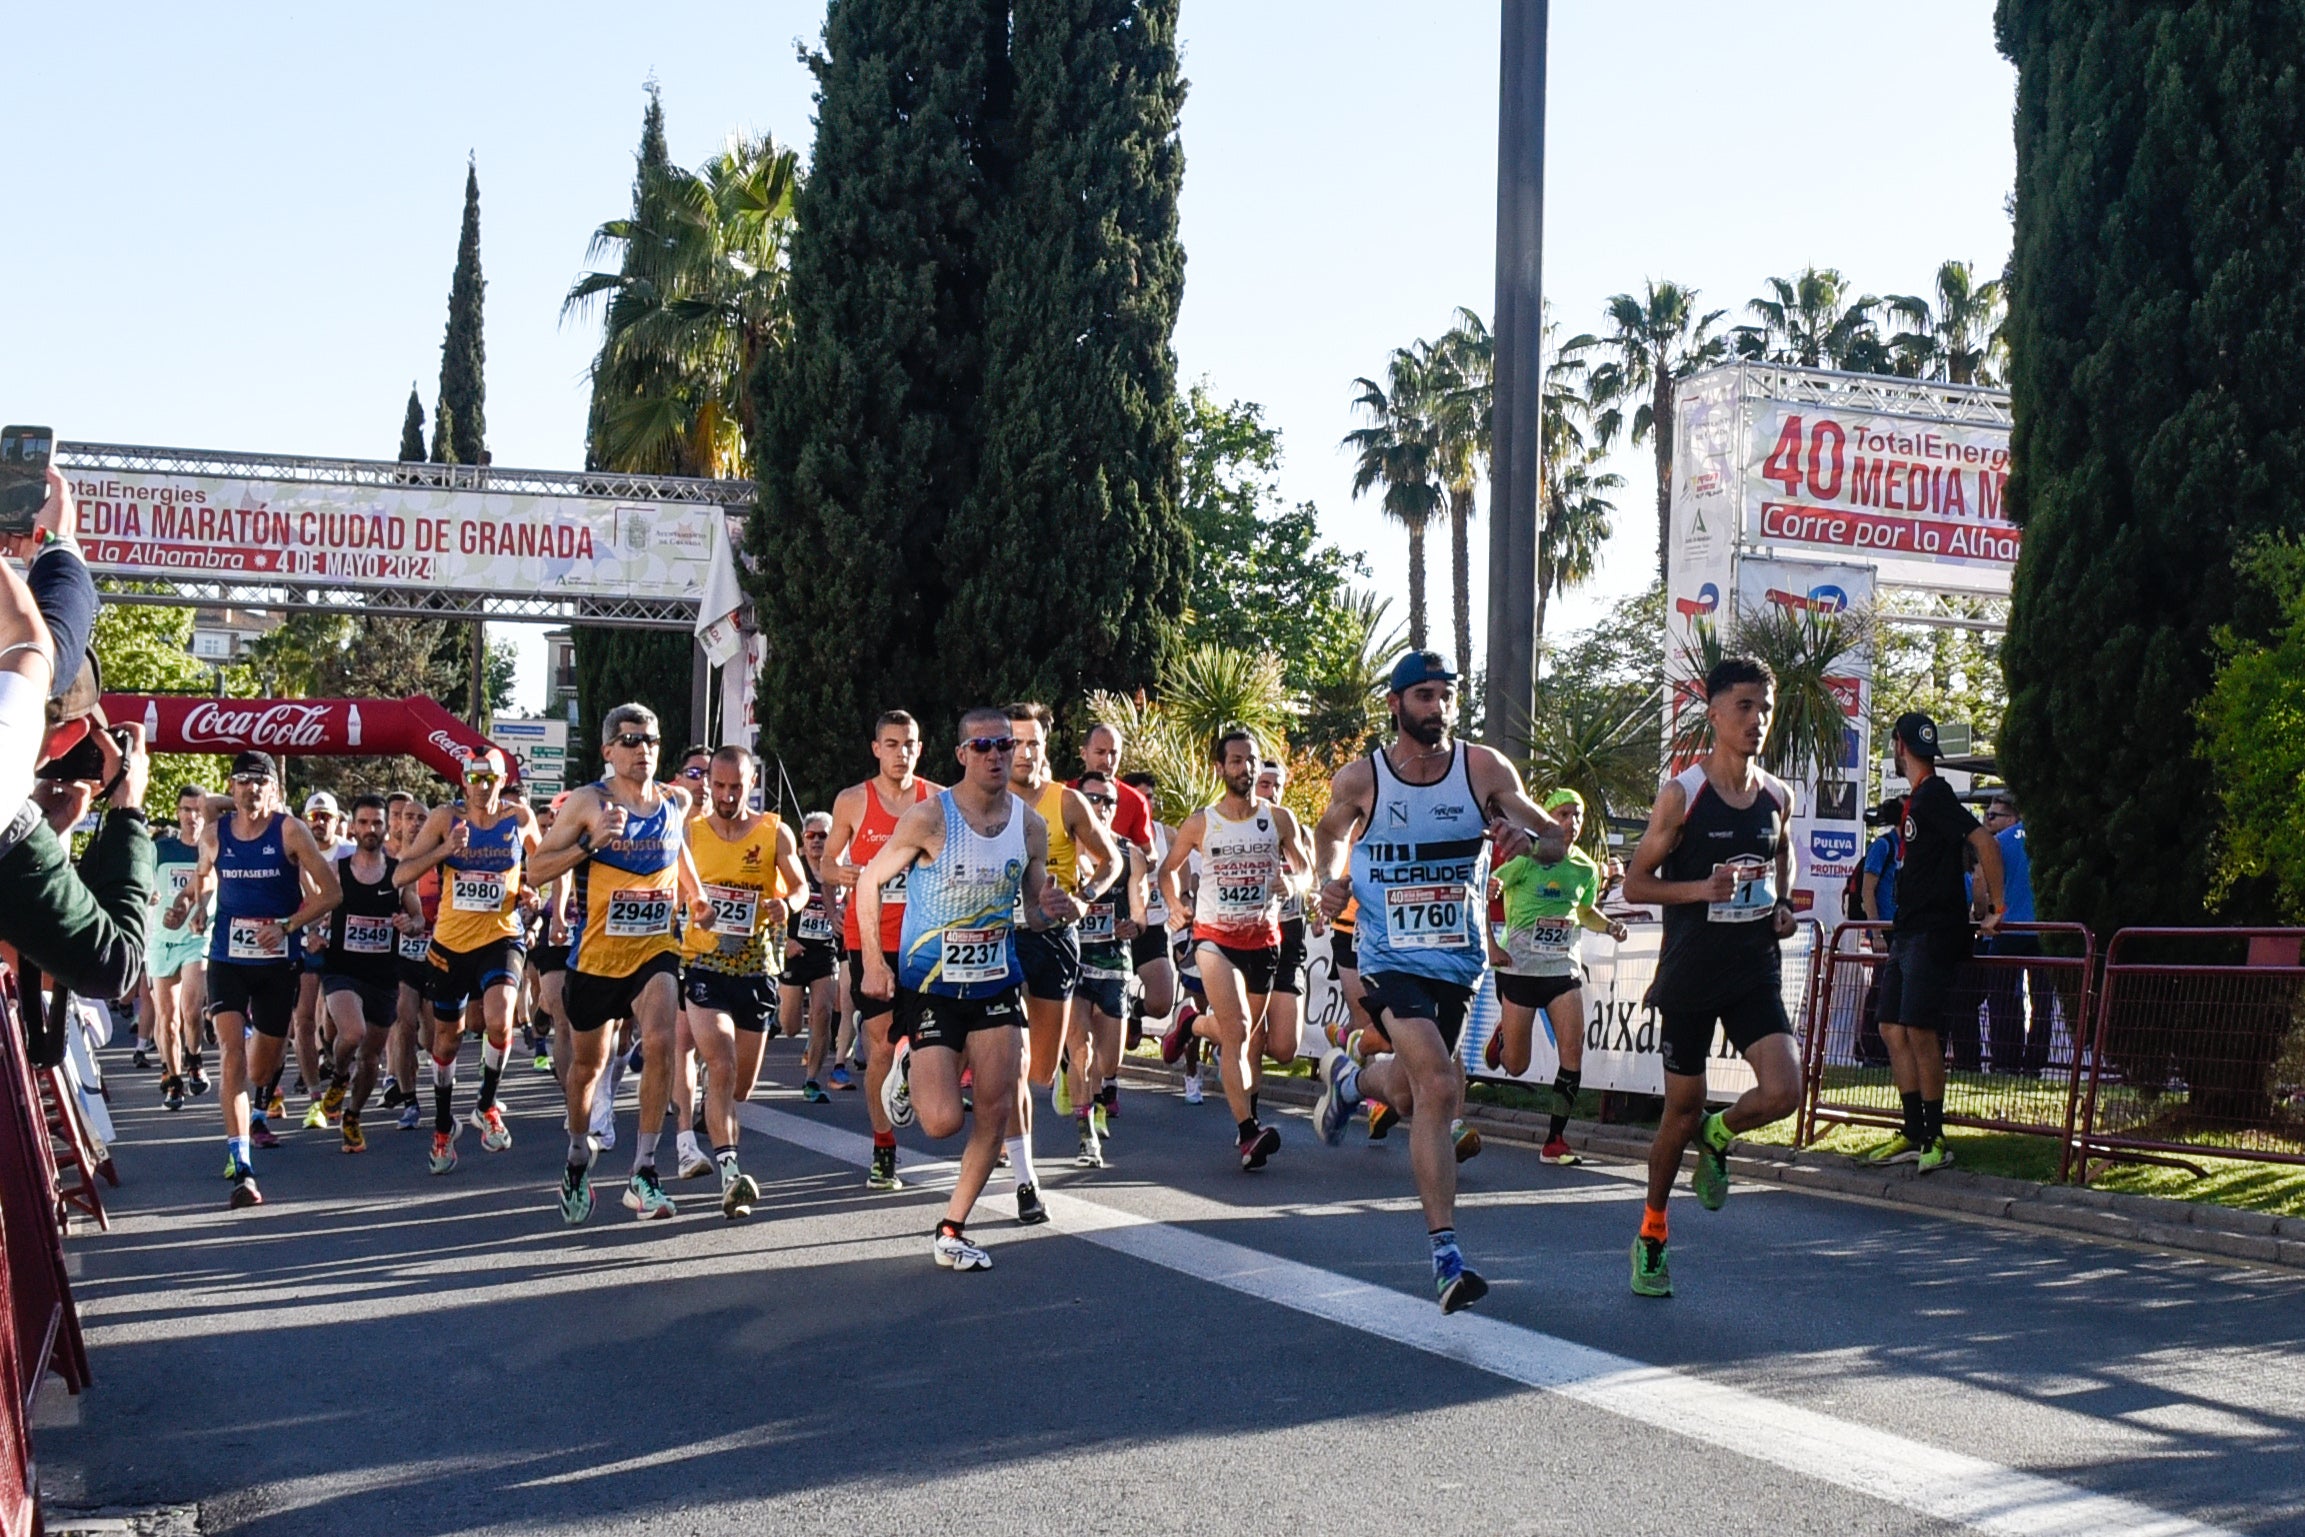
(735, 909)
(1097, 924)
(1754, 896)
(367, 936)
(1547, 939)
(477, 891)
(1426, 918)
(813, 927)
(241, 943)
(892, 889)
(975, 955)
(639, 912)
(414, 947)
(1292, 905)
(179, 877)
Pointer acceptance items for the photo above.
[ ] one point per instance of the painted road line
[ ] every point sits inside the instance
(1945, 1485)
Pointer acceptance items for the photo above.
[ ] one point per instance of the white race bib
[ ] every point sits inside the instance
(975, 955)
(414, 947)
(735, 909)
(892, 889)
(367, 936)
(638, 912)
(476, 891)
(1426, 918)
(1754, 896)
(241, 943)
(179, 877)
(813, 927)
(1097, 924)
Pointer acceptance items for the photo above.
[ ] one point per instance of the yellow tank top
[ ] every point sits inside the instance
(480, 887)
(625, 896)
(1063, 858)
(737, 877)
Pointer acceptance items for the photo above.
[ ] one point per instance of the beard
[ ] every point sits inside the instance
(1427, 732)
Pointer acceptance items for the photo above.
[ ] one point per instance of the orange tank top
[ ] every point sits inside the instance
(873, 830)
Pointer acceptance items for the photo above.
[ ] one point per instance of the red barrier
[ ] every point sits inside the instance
(325, 728)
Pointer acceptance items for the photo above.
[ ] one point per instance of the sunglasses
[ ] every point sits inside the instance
(252, 779)
(634, 739)
(692, 773)
(1100, 800)
(990, 744)
(482, 777)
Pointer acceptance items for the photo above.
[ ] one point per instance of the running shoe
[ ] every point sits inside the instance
(1029, 1211)
(694, 1163)
(143, 1057)
(1101, 1114)
(495, 1136)
(896, 1091)
(645, 1198)
(1652, 1276)
(196, 1081)
(410, 1116)
(953, 1252)
(840, 1078)
(1060, 1092)
(1557, 1150)
(1896, 1150)
(261, 1134)
(1382, 1119)
(1493, 1054)
(738, 1195)
(1192, 1088)
(575, 1195)
(355, 1140)
(277, 1105)
(332, 1101)
(883, 1175)
(394, 1097)
(1258, 1146)
(1458, 1286)
(1178, 1036)
(543, 1062)
(813, 1092)
(172, 1092)
(1466, 1138)
(1711, 1179)
(443, 1152)
(244, 1191)
(1335, 1106)
(1090, 1156)
(1933, 1157)
(315, 1118)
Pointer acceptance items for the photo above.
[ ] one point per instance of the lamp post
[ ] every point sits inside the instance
(1516, 471)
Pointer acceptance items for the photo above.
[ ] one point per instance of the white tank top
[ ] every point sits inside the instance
(1239, 876)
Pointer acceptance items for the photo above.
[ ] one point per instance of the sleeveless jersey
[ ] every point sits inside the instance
(959, 936)
(1103, 953)
(873, 829)
(625, 895)
(1063, 856)
(256, 881)
(738, 876)
(415, 947)
(1421, 876)
(362, 942)
(812, 925)
(174, 862)
(1240, 872)
(481, 887)
(1714, 952)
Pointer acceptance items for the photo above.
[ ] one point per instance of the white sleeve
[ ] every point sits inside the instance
(23, 726)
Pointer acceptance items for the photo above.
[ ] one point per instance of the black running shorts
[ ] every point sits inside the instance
(1686, 1035)
(816, 961)
(931, 1019)
(1534, 992)
(1257, 967)
(1917, 979)
(1051, 961)
(459, 976)
(1395, 995)
(867, 1006)
(593, 1001)
(746, 1000)
(379, 1001)
(263, 995)
(1289, 960)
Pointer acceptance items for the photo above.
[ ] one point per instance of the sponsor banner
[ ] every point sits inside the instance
(1888, 485)
(326, 728)
(154, 526)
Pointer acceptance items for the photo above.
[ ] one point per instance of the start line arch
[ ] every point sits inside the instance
(320, 728)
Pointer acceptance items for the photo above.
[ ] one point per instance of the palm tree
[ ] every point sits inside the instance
(1959, 339)
(1577, 502)
(1601, 745)
(1656, 340)
(1808, 650)
(1396, 449)
(701, 293)
(1462, 367)
(1811, 320)
(1343, 712)
(1203, 691)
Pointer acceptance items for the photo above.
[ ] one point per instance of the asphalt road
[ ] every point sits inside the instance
(1184, 1349)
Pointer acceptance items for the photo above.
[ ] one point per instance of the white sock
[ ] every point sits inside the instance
(644, 1150)
(1020, 1160)
(492, 1055)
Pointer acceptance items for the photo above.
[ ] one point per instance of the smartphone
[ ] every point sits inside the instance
(24, 455)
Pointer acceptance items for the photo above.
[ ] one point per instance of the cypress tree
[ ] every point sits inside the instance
(871, 417)
(1070, 561)
(460, 430)
(613, 667)
(412, 429)
(2157, 310)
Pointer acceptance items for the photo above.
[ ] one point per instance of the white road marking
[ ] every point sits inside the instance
(1946, 1485)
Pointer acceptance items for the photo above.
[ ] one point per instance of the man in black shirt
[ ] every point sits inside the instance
(1930, 941)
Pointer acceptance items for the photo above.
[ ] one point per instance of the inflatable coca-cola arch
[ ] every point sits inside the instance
(321, 728)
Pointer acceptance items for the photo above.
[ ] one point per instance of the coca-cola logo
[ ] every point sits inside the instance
(276, 725)
(449, 745)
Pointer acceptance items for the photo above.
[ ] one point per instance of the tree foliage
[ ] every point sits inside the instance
(412, 429)
(2155, 322)
(147, 649)
(2252, 724)
(460, 427)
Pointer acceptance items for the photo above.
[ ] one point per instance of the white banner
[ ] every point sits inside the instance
(149, 525)
(1891, 487)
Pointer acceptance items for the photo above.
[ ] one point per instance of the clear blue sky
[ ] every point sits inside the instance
(253, 209)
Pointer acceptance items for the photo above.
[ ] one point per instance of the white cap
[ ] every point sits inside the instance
(320, 800)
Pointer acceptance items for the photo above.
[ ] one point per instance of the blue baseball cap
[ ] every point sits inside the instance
(1420, 667)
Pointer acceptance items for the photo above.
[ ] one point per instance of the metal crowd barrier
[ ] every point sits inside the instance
(2198, 1049)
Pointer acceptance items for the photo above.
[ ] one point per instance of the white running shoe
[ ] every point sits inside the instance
(1091, 1154)
(695, 1163)
(1192, 1088)
(896, 1089)
(955, 1253)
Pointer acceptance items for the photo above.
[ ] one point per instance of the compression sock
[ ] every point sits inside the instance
(726, 1158)
(644, 1150)
(1252, 1104)
(1566, 1083)
(1915, 1131)
(1446, 1255)
(491, 1072)
(884, 1139)
(443, 1095)
(1248, 1128)
(1020, 1160)
(1932, 1121)
(1109, 1095)
(236, 1149)
(1653, 1223)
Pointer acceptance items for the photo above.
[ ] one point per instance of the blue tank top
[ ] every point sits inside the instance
(622, 890)
(1421, 876)
(256, 881)
(959, 937)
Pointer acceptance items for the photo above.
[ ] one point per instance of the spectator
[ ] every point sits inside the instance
(1877, 903)
(2019, 1045)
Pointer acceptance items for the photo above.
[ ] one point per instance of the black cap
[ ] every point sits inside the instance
(1887, 814)
(1919, 734)
(253, 762)
(1420, 667)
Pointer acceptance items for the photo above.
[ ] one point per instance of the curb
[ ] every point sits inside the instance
(2110, 1216)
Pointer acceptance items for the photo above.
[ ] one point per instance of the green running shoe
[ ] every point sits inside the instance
(575, 1196)
(1652, 1276)
(1933, 1157)
(1061, 1091)
(1711, 1179)
(1895, 1150)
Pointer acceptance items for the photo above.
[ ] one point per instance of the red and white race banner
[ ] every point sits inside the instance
(321, 728)
(1885, 486)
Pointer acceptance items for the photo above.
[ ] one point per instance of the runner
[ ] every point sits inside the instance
(863, 816)
(1132, 823)
(808, 995)
(975, 858)
(271, 880)
(1717, 856)
(326, 819)
(478, 941)
(621, 840)
(1284, 1010)
(1545, 905)
(1250, 849)
(547, 970)
(1156, 993)
(1082, 861)
(359, 966)
(406, 818)
(743, 859)
(176, 956)
(1101, 997)
(1416, 819)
